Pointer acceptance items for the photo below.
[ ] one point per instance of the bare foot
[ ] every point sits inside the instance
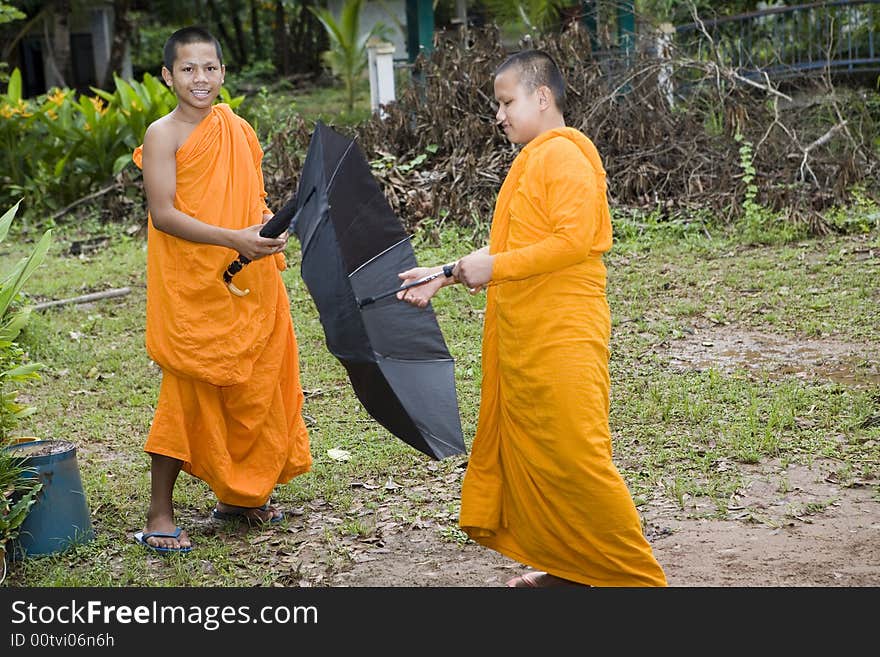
(536, 579)
(252, 514)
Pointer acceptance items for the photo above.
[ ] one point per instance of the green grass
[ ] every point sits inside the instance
(269, 108)
(686, 435)
(682, 430)
(326, 104)
(682, 435)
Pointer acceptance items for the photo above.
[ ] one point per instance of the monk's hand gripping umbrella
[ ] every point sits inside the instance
(273, 228)
(446, 271)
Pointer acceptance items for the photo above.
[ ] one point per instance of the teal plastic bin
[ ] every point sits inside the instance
(60, 516)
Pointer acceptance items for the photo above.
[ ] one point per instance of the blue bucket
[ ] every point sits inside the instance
(60, 516)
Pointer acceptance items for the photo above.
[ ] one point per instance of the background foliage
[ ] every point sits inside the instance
(779, 159)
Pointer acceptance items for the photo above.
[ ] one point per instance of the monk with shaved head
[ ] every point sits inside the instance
(541, 486)
(230, 403)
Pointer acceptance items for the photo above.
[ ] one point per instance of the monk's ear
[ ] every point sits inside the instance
(166, 75)
(545, 97)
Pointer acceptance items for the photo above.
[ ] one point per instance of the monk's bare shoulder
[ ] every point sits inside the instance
(161, 141)
(165, 135)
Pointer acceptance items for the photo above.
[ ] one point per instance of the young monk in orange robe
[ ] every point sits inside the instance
(230, 402)
(540, 485)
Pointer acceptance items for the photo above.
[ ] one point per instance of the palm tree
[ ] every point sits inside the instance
(348, 55)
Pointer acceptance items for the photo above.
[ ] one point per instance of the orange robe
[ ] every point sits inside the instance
(540, 486)
(230, 402)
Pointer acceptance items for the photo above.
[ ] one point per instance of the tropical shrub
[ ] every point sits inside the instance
(14, 316)
(60, 146)
(18, 490)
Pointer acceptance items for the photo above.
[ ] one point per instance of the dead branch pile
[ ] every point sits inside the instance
(809, 142)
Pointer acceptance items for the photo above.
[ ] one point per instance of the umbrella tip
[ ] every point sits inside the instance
(236, 291)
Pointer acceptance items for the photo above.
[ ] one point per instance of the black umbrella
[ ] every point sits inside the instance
(353, 246)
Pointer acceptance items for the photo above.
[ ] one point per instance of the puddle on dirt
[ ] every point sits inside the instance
(726, 349)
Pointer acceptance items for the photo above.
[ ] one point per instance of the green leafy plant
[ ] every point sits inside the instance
(14, 316)
(750, 205)
(759, 224)
(526, 16)
(139, 104)
(60, 146)
(8, 13)
(22, 139)
(19, 489)
(348, 56)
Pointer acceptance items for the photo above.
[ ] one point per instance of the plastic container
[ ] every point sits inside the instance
(60, 516)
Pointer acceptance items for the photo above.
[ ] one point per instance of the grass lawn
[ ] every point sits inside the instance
(679, 433)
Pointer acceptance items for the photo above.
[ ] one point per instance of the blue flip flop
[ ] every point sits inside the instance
(217, 514)
(142, 537)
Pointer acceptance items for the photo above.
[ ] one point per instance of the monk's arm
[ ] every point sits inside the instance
(160, 182)
(572, 200)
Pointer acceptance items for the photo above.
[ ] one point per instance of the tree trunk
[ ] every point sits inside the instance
(58, 43)
(240, 36)
(255, 29)
(282, 52)
(222, 33)
(307, 40)
(122, 31)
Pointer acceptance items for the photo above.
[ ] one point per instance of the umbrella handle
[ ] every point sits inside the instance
(234, 267)
(446, 271)
(279, 222)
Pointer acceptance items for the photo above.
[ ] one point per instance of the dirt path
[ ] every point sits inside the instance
(791, 525)
(774, 540)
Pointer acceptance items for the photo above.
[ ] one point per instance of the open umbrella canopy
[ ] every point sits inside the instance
(353, 246)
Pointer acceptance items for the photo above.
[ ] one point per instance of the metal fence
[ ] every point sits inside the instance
(784, 42)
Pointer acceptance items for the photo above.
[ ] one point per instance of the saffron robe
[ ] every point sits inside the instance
(230, 402)
(540, 485)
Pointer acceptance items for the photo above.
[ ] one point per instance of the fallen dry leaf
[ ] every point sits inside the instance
(339, 454)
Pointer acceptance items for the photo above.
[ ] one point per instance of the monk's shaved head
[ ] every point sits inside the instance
(536, 69)
(184, 37)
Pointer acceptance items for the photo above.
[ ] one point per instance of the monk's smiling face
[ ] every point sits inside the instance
(522, 113)
(197, 76)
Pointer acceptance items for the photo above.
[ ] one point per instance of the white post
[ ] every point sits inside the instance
(664, 53)
(460, 19)
(381, 64)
